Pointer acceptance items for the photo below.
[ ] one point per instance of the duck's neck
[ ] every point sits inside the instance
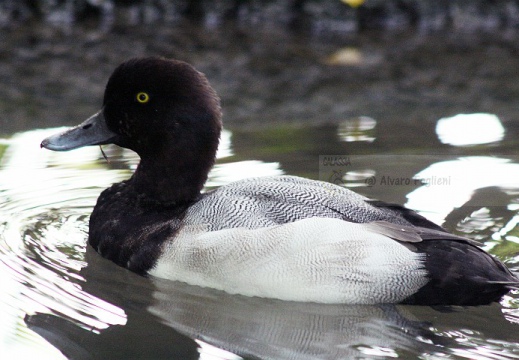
(170, 182)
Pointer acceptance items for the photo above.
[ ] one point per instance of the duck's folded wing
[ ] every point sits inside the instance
(413, 234)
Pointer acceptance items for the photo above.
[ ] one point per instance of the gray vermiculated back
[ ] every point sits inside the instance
(267, 201)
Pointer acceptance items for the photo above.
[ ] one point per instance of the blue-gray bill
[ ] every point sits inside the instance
(92, 131)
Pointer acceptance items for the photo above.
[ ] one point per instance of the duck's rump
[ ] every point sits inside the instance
(461, 274)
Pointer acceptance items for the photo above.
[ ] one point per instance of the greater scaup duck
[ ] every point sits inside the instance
(281, 237)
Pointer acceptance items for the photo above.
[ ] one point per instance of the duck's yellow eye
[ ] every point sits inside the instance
(143, 97)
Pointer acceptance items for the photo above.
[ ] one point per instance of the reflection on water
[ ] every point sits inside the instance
(357, 129)
(275, 329)
(43, 211)
(457, 182)
(470, 129)
(228, 172)
(59, 294)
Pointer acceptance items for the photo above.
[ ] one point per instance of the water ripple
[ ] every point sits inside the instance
(43, 230)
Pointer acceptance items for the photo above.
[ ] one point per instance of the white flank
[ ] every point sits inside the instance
(317, 259)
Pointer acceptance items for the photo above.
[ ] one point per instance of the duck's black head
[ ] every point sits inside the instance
(166, 111)
(153, 102)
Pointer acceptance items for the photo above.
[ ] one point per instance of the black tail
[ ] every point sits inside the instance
(461, 274)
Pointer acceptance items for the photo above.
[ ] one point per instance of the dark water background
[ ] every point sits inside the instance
(373, 111)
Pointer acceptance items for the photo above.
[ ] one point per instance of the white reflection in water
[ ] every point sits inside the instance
(224, 148)
(452, 183)
(223, 174)
(470, 129)
(226, 173)
(357, 129)
(45, 199)
(357, 178)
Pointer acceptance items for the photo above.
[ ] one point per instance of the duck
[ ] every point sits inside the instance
(281, 237)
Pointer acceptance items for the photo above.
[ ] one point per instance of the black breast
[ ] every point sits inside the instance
(131, 230)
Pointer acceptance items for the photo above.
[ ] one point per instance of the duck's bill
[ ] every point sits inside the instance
(92, 131)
